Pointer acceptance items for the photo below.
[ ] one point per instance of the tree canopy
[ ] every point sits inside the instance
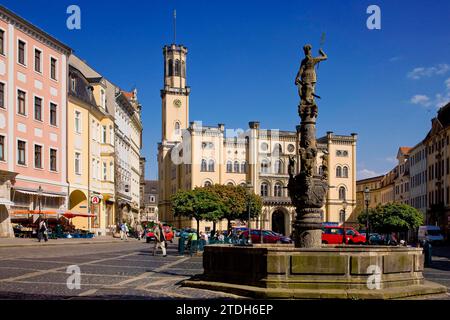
(217, 202)
(392, 217)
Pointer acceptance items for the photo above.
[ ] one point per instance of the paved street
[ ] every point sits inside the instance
(439, 271)
(123, 270)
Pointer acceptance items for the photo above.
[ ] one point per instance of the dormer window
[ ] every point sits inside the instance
(73, 84)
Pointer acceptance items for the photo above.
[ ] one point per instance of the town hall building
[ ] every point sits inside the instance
(191, 155)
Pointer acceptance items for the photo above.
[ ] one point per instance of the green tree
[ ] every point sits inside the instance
(392, 217)
(199, 204)
(233, 202)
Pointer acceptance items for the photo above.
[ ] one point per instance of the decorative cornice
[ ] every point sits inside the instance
(33, 31)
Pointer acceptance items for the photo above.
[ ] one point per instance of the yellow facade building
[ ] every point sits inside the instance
(90, 143)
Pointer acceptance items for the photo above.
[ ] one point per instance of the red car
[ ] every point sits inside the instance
(334, 235)
(168, 233)
(268, 236)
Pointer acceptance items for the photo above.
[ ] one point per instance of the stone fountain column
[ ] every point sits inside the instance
(307, 189)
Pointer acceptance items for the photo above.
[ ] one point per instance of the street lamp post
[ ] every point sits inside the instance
(344, 208)
(39, 192)
(367, 200)
(249, 240)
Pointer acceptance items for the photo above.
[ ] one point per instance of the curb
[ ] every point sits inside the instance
(37, 244)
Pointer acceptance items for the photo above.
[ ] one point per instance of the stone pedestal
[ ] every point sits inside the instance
(6, 230)
(338, 272)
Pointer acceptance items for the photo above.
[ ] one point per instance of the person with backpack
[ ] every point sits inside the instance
(43, 230)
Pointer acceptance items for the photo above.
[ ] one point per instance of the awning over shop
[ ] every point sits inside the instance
(71, 215)
(44, 194)
(57, 213)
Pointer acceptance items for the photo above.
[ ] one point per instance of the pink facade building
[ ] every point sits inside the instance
(33, 86)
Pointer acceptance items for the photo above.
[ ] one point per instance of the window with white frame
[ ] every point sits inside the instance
(264, 189)
(77, 121)
(21, 152)
(77, 163)
(105, 170)
(94, 169)
(111, 135)
(2, 148)
(53, 160)
(37, 60)
(103, 134)
(2, 42)
(2, 95)
(111, 171)
(21, 52)
(53, 68)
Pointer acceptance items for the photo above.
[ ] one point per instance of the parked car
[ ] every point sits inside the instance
(376, 239)
(334, 235)
(168, 233)
(431, 234)
(268, 236)
(186, 231)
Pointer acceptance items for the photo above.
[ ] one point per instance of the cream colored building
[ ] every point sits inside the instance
(191, 154)
(128, 147)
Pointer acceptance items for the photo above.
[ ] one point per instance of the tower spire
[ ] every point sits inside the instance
(174, 26)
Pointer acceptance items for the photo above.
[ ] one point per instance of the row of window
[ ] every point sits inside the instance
(237, 167)
(437, 197)
(341, 172)
(438, 145)
(98, 173)
(403, 187)
(419, 179)
(38, 57)
(436, 170)
(38, 154)
(277, 190)
(277, 168)
(38, 109)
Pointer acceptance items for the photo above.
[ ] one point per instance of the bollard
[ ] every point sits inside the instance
(193, 247)
(181, 245)
(427, 252)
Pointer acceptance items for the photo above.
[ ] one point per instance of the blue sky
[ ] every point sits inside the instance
(243, 56)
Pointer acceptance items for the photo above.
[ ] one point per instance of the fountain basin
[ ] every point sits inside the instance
(343, 272)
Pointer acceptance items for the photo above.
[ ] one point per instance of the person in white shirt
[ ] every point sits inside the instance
(43, 231)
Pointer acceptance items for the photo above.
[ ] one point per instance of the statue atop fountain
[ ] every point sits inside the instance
(308, 188)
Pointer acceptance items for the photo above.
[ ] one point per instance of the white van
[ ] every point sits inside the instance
(431, 234)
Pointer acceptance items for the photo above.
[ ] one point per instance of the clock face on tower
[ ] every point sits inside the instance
(177, 103)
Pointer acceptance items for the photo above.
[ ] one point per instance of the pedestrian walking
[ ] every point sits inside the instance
(193, 243)
(124, 231)
(43, 230)
(139, 231)
(160, 239)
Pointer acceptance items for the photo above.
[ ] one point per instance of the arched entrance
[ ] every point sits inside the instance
(279, 221)
(78, 202)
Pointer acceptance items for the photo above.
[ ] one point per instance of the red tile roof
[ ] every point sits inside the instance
(405, 150)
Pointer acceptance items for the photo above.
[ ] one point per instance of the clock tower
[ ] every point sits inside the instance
(175, 95)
